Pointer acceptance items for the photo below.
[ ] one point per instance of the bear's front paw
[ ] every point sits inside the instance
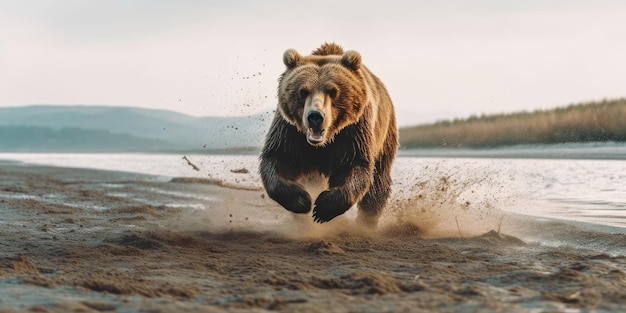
(292, 198)
(330, 204)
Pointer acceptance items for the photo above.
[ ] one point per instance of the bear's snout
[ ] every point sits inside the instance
(315, 119)
(314, 129)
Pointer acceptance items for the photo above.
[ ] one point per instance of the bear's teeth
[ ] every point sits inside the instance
(313, 136)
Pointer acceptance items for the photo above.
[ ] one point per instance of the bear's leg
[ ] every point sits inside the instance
(373, 202)
(288, 194)
(345, 188)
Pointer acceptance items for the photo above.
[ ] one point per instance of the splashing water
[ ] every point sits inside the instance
(443, 198)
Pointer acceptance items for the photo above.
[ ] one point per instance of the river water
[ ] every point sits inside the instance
(582, 183)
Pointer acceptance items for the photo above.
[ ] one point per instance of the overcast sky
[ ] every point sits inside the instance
(439, 59)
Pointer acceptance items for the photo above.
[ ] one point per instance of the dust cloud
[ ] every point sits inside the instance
(429, 199)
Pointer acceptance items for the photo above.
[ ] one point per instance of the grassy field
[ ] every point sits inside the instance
(596, 121)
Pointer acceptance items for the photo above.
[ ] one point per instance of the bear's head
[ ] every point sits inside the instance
(322, 93)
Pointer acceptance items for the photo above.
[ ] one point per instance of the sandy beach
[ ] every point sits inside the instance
(77, 240)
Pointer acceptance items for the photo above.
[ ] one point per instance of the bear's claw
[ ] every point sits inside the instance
(323, 217)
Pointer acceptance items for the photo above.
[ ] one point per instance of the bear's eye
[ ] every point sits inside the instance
(332, 92)
(304, 93)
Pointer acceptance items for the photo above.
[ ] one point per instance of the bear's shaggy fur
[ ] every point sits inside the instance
(335, 120)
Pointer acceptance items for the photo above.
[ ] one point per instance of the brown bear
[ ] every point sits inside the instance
(335, 122)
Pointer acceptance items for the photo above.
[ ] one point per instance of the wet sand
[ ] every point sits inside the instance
(76, 240)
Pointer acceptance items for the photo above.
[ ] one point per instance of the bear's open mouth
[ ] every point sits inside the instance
(314, 136)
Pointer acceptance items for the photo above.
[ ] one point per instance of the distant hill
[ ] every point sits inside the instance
(586, 122)
(37, 139)
(102, 128)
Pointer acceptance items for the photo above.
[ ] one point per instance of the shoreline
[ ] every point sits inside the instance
(80, 240)
(608, 150)
(232, 180)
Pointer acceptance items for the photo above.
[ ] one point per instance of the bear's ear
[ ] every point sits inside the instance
(291, 58)
(352, 60)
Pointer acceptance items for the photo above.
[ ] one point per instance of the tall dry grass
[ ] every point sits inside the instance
(596, 121)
